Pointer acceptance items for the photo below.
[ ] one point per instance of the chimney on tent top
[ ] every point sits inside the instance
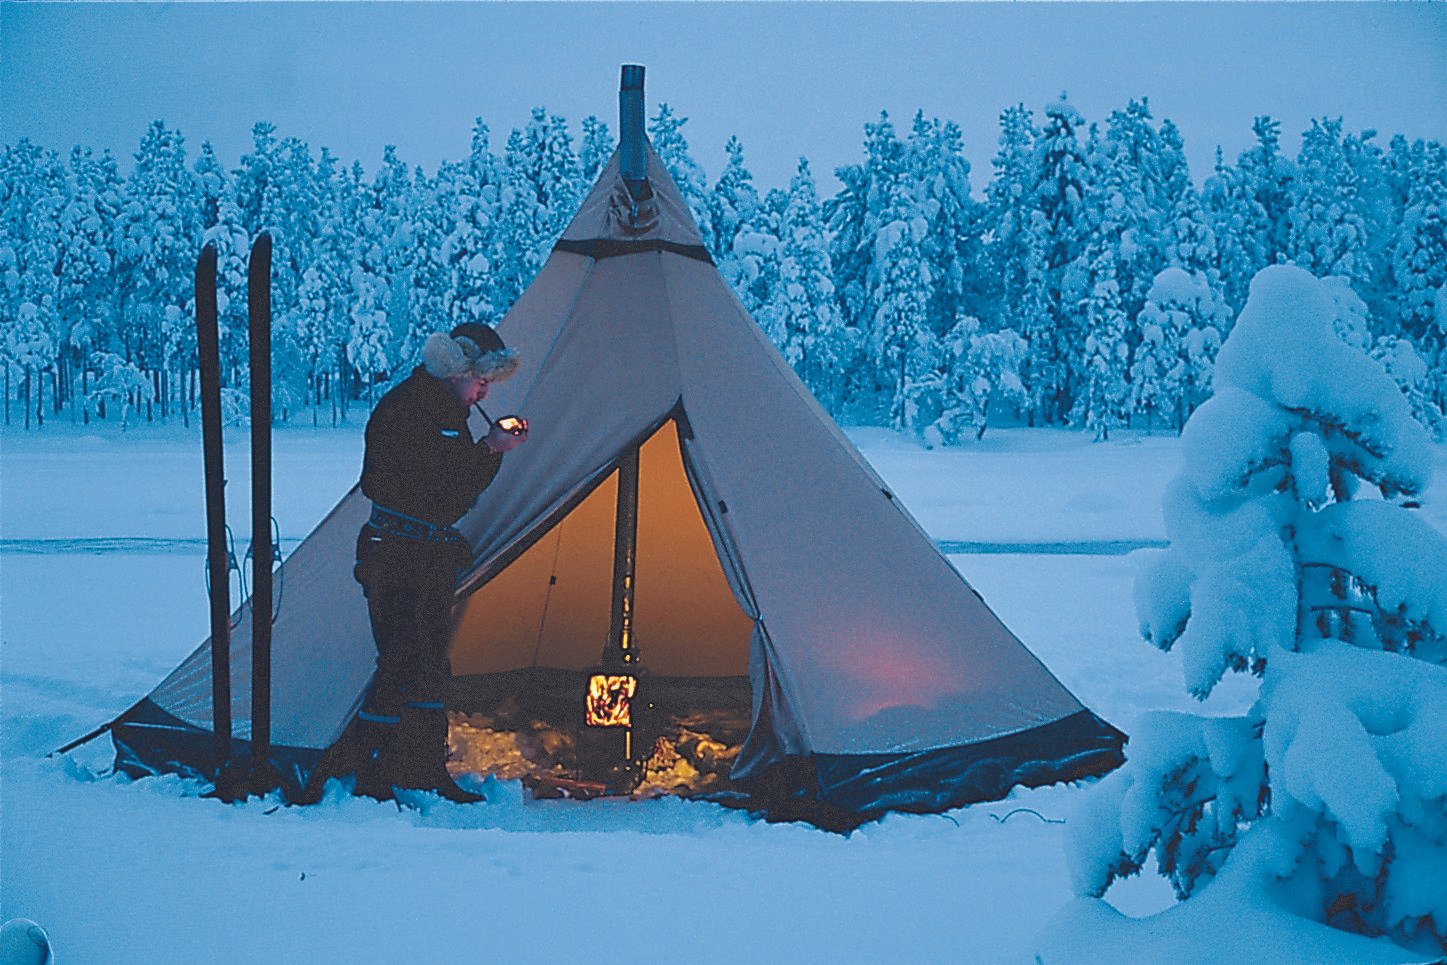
(633, 156)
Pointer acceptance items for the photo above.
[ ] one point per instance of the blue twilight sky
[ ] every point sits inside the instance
(789, 79)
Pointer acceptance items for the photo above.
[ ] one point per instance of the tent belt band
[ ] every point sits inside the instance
(600, 248)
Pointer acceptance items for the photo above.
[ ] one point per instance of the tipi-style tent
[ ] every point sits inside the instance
(770, 559)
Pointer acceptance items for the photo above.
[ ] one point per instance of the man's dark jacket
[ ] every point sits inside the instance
(420, 457)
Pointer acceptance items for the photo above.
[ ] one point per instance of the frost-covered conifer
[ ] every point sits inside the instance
(157, 231)
(1190, 243)
(1008, 213)
(1059, 189)
(1419, 260)
(980, 367)
(233, 246)
(907, 351)
(1328, 235)
(733, 201)
(1105, 394)
(87, 231)
(1414, 376)
(1328, 798)
(1241, 229)
(1190, 317)
(368, 331)
(476, 221)
(542, 187)
(1122, 226)
(808, 313)
(596, 150)
(1270, 176)
(432, 208)
(938, 177)
(855, 217)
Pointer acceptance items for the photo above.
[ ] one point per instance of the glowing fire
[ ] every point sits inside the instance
(610, 700)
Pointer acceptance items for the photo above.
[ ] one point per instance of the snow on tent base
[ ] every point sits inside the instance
(864, 674)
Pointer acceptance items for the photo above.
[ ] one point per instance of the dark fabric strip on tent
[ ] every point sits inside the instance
(840, 791)
(150, 741)
(607, 248)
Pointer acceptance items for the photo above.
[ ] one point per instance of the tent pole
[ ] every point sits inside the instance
(259, 306)
(621, 651)
(217, 569)
(621, 654)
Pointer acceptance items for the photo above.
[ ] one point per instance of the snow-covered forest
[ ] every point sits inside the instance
(1088, 282)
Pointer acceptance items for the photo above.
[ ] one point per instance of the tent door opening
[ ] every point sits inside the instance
(526, 642)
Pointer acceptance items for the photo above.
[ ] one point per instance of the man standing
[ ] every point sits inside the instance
(423, 471)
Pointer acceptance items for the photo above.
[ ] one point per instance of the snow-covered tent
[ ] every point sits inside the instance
(771, 560)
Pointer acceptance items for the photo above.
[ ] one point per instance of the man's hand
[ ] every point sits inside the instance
(500, 440)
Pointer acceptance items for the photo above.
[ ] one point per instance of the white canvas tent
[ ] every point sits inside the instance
(768, 550)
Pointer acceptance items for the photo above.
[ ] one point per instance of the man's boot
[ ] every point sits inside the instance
(418, 761)
(369, 743)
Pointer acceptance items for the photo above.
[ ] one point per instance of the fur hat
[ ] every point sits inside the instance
(470, 348)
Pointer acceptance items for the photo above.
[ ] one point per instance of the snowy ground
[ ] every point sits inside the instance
(101, 595)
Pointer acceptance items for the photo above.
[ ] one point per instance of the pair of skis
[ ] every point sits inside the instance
(235, 780)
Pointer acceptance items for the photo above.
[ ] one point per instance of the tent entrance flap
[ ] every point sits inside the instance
(552, 606)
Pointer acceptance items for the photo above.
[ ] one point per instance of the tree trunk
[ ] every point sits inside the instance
(27, 398)
(7, 391)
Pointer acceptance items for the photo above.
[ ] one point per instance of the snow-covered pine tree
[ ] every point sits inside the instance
(1103, 402)
(324, 297)
(1328, 236)
(476, 222)
(1008, 216)
(1060, 173)
(1241, 229)
(394, 204)
(86, 295)
(543, 183)
(1326, 799)
(1190, 317)
(213, 185)
(1419, 258)
(854, 218)
(1414, 376)
(908, 353)
(368, 331)
(434, 202)
(157, 234)
(808, 313)
(665, 131)
(733, 202)
(1121, 220)
(1153, 366)
(1269, 176)
(938, 176)
(979, 367)
(1381, 216)
(596, 150)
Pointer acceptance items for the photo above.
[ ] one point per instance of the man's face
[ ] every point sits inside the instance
(471, 389)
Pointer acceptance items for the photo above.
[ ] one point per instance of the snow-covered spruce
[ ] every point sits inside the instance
(1291, 558)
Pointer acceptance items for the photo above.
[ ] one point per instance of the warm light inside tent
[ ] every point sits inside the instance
(610, 700)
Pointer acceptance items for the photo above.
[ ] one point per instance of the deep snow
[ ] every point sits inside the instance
(147, 872)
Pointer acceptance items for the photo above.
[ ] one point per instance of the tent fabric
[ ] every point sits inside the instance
(879, 677)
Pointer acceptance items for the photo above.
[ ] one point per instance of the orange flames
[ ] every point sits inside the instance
(610, 700)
